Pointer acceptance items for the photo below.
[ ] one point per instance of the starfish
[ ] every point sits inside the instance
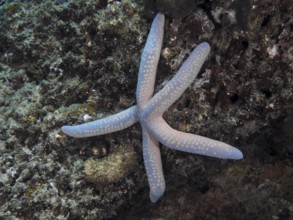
(149, 110)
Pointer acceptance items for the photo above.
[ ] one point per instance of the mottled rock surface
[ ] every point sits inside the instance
(66, 62)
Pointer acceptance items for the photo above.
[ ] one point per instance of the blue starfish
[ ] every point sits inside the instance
(149, 111)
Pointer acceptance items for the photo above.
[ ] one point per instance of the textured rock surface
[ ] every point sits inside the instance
(65, 62)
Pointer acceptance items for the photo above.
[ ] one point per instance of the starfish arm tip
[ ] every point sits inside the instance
(236, 154)
(205, 45)
(155, 196)
(69, 130)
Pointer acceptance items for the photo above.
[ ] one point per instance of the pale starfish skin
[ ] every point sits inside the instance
(149, 111)
(116, 122)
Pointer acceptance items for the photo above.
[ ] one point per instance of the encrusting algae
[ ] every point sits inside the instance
(113, 167)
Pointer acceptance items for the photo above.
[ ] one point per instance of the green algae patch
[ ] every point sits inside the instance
(112, 168)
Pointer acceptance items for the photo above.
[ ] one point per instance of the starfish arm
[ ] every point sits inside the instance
(179, 83)
(149, 61)
(190, 142)
(106, 125)
(153, 165)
